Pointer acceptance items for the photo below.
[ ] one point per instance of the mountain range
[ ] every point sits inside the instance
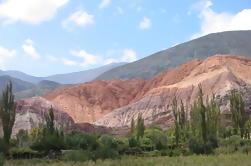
(25, 86)
(145, 87)
(68, 78)
(232, 42)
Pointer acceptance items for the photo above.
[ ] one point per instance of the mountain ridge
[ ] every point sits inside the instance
(230, 42)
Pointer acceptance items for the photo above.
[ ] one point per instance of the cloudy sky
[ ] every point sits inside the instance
(44, 37)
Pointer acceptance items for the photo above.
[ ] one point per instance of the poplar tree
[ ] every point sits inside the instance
(7, 111)
(238, 112)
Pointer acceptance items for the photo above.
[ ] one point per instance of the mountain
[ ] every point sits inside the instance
(233, 42)
(18, 85)
(82, 76)
(115, 103)
(39, 89)
(30, 113)
(20, 75)
(68, 78)
(24, 89)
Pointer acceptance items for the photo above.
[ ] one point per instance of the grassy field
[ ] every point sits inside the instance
(221, 160)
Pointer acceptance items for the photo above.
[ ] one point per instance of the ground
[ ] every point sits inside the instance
(220, 160)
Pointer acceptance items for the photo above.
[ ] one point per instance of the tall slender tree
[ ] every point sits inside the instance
(132, 126)
(238, 112)
(7, 111)
(140, 128)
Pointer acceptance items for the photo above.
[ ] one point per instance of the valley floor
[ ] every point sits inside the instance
(220, 160)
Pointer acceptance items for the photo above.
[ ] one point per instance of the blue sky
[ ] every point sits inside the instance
(44, 37)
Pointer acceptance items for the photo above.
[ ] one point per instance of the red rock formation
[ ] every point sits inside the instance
(116, 102)
(90, 101)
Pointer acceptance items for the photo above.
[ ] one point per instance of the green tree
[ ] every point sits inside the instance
(238, 112)
(179, 121)
(7, 111)
(175, 111)
(205, 123)
(132, 126)
(140, 127)
(49, 119)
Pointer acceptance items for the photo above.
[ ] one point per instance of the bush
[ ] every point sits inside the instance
(49, 142)
(198, 147)
(105, 153)
(2, 159)
(108, 141)
(78, 156)
(132, 141)
(224, 150)
(73, 139)
(23, 153)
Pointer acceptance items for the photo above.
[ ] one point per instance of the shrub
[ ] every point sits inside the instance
(105, 153)
(108, 141)
(78, 156)
(245, 149)
(49, 142)
(132, 141)
(224, 150)
(89, 142)
(73, 139)
(23, 153)
(2, 159)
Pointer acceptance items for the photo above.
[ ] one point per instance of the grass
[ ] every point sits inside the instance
(221, 160)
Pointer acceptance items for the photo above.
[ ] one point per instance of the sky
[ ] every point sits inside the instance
(45, 37)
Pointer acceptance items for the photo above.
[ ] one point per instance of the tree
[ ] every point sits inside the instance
(175, 111)
(7, 111)
(179, 120)
(49, 119)
(248, 128)
(132, 126)
(205, 123)
(51, 139)
(140, 127)
(238, 113)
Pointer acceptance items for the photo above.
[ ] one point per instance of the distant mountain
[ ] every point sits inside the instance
(68, 78)
(21, 76)
(233, 42)
(82, 76)
(39, 89)
(18, 85)
(24, 89)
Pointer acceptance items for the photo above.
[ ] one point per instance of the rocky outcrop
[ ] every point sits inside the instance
(30, 113)
(217, 75)
(114, 103)
(90, 101)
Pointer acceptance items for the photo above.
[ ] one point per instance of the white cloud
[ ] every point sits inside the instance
(104, 3)
(68, 62)
(30, 11)
(88, 59)
(5, 55)
(80, 18)
(217, 22)
(145, 23)
(120, 10)
(29, 49)
(128, 55)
